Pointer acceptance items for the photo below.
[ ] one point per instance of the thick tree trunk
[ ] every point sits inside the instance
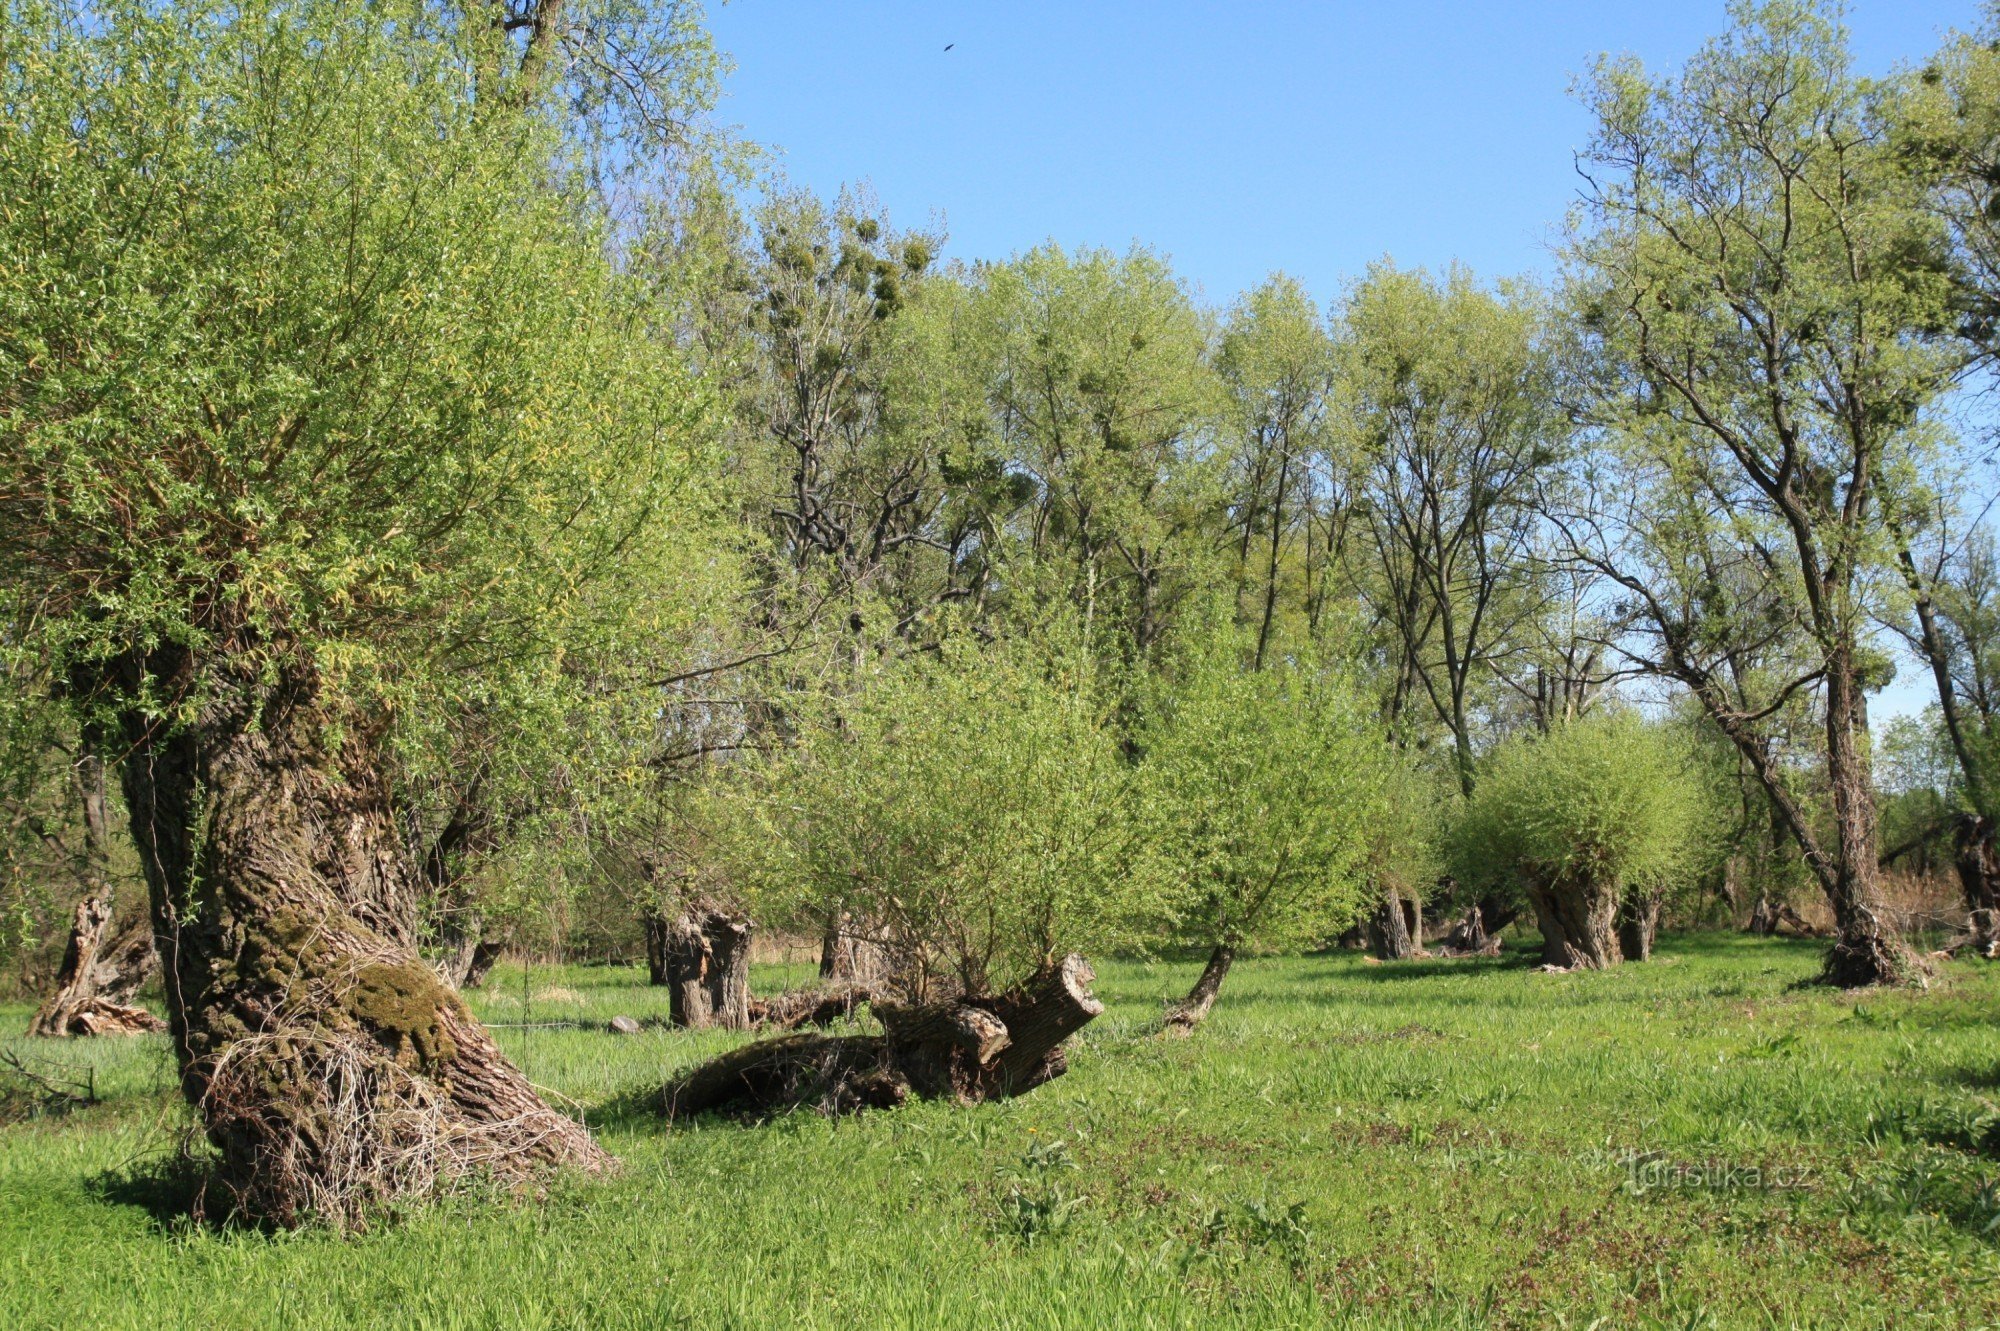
(1865, 950)
(1495, 915)
(1191, 1011)
(706, 954)
(1978, 865)
(963, 1050)
(1638, 923)
(1389, 929)
(94, 988)
(333, 1069)
(1763, 916)
(1576, 916)
(485, 955)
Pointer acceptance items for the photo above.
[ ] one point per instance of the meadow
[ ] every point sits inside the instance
(1697, 1141)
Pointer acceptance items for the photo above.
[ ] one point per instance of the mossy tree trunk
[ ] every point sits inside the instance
(331, 1066)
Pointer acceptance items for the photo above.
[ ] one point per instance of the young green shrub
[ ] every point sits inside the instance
(1594, 822)
(1261, 788)
(972, 805)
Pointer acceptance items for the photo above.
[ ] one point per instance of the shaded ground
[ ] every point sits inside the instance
(1427, 1145)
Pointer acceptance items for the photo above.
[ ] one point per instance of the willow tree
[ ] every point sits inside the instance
(1261, 788)
(1595, 822)
(1759, 276)
(323, 423)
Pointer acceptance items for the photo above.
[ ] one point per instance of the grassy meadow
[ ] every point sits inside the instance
(1434, 1144)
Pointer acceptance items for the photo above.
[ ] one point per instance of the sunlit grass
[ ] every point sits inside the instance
(1434, 1144)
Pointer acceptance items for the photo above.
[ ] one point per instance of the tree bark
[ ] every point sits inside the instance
(1638, 924)
(1576, 916)
(1191, 1011)
(1468, 938)
(332, 1068)
(1865, 950)
(963, 1050)
(706, 955)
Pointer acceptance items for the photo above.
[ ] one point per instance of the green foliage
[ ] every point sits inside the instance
(1612, 798)
(971, 803)
(312, 361)
(1260, 789)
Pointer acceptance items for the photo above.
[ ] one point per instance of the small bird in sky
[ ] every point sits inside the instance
(949, 45)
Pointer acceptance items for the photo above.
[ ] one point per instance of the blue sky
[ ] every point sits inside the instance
(1238, 138)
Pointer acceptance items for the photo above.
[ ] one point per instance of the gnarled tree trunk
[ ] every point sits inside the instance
(706, 956)
(1468, 938)
(1576, 916)
(1191, 1011)
(94, 988)
(331, 1066)
(965, 1050)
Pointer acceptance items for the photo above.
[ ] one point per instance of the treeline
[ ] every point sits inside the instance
(462, 505)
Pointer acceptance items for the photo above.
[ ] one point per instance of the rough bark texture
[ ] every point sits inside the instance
(332, 1067)
(94, 988)
(1189, 1013)
(1763, 917)
(1389, 929)
(1638, 923)
(1576, 916)
(659, 926)
(706, 955)
(964, 1050)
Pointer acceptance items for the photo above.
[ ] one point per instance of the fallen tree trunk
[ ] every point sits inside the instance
(817, 1006)
(964, 1050)
(94, 987)
(1468, 938)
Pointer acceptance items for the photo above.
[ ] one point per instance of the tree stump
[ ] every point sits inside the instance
(1468, 938)
(95, 985)
(965, 1050)
(848, 955)
(1389, 929)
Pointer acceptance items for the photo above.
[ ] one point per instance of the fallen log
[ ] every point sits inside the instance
(818, 1005)
(965, 1050)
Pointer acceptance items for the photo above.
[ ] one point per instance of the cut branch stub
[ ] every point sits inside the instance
(967, 1050)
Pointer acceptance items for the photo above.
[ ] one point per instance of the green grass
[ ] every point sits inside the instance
(1426, 1145)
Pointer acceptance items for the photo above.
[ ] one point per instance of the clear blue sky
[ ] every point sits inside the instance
(1239, 138)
